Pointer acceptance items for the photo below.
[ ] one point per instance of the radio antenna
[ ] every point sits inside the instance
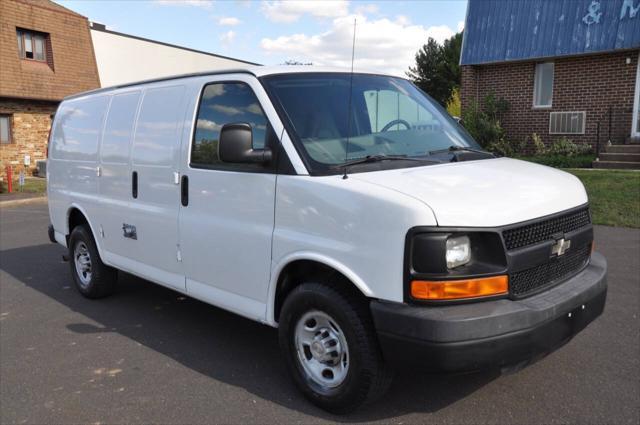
(346, 146)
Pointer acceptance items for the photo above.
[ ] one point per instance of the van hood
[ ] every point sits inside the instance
(485, 193)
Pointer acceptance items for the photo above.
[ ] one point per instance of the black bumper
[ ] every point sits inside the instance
(490, 334)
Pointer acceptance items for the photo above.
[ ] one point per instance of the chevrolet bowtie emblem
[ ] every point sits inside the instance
(560, 247)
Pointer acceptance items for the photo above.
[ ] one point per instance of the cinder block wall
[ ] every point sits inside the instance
(586, 83)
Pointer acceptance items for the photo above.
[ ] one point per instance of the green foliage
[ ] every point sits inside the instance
(564, 146)
(483, 123)
(539, 148)
(504, 147)
(454, 107)
(295, 62)
(437, 70)
(562, 161)
(205, 152)
(31, 185)
(562, 153)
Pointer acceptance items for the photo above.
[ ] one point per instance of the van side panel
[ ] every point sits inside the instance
(73, 158)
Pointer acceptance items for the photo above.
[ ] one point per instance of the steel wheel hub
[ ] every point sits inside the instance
(322, 349)
(82, 260)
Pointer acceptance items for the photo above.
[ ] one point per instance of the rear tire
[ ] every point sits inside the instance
(92, 277)
(328, 340)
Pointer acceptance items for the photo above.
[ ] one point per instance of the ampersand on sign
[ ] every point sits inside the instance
(594, 14)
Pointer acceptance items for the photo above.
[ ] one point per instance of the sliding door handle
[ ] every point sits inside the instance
(134, 184)
(184, 191)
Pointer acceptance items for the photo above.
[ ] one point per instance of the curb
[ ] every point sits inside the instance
(24, 201)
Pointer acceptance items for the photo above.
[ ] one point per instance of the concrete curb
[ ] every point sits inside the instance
(23, 201)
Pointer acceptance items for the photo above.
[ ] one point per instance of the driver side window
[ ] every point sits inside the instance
(224, 103)
(386, 106)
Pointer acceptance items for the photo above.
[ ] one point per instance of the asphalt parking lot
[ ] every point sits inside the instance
(150, 355)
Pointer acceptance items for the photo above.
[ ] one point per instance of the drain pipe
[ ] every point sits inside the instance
(598, 141)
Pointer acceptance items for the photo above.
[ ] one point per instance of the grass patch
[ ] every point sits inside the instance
(31, 185)
(614, 196)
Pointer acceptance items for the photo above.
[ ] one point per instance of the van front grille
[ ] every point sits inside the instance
(545, 275)
(540, 231)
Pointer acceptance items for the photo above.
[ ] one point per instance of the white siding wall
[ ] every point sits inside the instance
(124, 59)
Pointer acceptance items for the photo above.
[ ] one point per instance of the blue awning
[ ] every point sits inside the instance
(506, 30)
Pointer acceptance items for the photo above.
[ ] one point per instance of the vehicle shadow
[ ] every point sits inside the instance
(214, 342)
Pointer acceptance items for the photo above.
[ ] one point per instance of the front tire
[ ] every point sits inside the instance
(329, 344)
(92, 277)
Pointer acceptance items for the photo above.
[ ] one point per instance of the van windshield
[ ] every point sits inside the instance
(390, 117)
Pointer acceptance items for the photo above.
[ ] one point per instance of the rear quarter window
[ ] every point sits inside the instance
(77, 129)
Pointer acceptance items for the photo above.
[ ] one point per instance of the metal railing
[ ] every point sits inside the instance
(614, 127)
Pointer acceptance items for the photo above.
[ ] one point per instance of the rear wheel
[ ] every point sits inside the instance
(328, 340)
(92, 277)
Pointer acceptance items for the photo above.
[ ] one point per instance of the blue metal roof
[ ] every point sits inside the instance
(505, 30)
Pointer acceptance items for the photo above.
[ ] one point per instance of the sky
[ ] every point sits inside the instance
(388, 33)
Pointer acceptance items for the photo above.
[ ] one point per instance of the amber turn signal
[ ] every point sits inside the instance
(457, 289)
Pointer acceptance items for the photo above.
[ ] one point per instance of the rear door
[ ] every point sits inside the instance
(73, 168)
(227, 224)
(150, 225)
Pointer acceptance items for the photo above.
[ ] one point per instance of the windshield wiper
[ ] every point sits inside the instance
(461, 149)
(378, 158)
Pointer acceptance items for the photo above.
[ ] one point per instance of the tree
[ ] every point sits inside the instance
(437, 69)
(295, 62)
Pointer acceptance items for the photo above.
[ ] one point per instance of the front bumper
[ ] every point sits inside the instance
(490, 334)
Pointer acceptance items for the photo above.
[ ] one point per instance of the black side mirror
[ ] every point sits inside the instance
(235, 145)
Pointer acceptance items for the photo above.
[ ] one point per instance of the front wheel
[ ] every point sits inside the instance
(328, 340)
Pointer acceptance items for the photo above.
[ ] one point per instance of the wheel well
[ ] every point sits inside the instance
(297, 272)
(76, 218)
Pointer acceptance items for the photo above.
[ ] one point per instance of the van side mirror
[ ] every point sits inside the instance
(235, 144)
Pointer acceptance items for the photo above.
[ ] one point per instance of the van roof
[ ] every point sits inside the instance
(257, 71)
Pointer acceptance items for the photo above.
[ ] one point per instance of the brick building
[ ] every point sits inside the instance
(46, 54)
(563, 65)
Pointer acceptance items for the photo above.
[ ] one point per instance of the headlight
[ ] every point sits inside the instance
(458, 251)
(454, 264)
(438, 254)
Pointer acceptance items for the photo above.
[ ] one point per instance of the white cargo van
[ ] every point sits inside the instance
(348, 210)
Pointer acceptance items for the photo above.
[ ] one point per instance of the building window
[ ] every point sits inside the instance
(32, 45)
(5, 129)
(543, 85)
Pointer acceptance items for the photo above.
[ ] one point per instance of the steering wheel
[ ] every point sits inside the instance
(395, 122)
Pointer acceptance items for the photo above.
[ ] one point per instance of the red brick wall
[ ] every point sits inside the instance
(30, 124)
(587, 83)
(73, 68)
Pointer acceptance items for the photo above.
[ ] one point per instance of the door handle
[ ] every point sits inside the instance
(184, 191)
(134, 184)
